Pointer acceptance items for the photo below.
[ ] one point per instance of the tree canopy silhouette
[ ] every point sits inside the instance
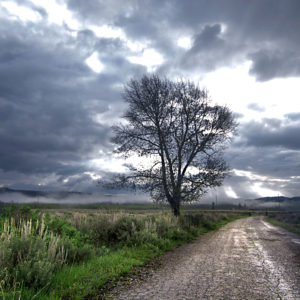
(181, 135)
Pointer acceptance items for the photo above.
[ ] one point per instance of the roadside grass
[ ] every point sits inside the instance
(286, 221)
(72, 255)
(88, 278)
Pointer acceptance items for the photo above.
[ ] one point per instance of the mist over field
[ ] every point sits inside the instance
(73, 198)
(9, 196)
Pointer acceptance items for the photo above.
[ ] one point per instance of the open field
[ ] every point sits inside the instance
(62, 251)
(72, 252)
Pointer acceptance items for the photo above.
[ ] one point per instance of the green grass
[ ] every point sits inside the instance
(91, 276)
(115, 244)
(290, 227)
(77, 281)
(88, 278)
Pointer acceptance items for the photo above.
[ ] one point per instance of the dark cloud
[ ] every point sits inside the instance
(271, 132)
(269, 152)
(209, 38)
(100, 12)
(50, 100)
(55, 112)
(295, 116)
(261, 30)
(265, 31)
(238, 115)
(34, 7)
(273, 168)
(270, 162)
(256, 107)
(242, 186)
(271, 64)
(209, 50)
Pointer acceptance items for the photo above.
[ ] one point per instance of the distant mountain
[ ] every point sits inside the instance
(22, 196)
(35, 194)
(279, 199)
(8, 195)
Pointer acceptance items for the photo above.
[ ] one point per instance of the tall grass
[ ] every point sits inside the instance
(29, 255)
(72, 253)
(286, 220)
(31, 252)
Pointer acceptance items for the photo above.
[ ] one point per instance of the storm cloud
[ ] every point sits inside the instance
(272, 133)
(49, 100)
(261, 30)
(56, 111)
(266, 155)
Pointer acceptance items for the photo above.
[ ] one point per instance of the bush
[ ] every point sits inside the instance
(76, 252)
(165, 228)
(30, 253)
(27, 257)
(125, 229)
(19, 214)
(63, 228)
(135, 231)
(35, 273)
(72, 240)
(98, 230)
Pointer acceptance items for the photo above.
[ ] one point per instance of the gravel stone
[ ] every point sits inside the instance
(246, 259)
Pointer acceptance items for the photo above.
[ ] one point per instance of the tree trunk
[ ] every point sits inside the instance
(175, 207)
(176, 211)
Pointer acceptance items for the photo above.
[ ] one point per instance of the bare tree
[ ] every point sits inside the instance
(179, 133)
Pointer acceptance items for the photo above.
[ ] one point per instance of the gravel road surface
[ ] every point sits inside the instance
(246, 259)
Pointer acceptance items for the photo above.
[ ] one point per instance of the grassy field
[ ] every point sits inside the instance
(287, 220)
(64, 252)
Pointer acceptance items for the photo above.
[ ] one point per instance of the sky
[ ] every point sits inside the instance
(64, 63)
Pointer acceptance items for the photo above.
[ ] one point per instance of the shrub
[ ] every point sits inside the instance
(98, 230)
(124, 229)
(190, 222)
(71, 239)
(28, 254)
(76, 252)
(63, 228)
(19, 214)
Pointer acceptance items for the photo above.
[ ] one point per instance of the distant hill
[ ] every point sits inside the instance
(35, 194)
(8, 195)
(279, 199)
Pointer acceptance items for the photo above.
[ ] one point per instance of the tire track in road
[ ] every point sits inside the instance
(274, 273)
(246, 259)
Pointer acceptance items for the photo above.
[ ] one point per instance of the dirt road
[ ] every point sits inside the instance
(246, 259)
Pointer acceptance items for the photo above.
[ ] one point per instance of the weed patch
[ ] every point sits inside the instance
(288, 221)
(46, 256)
